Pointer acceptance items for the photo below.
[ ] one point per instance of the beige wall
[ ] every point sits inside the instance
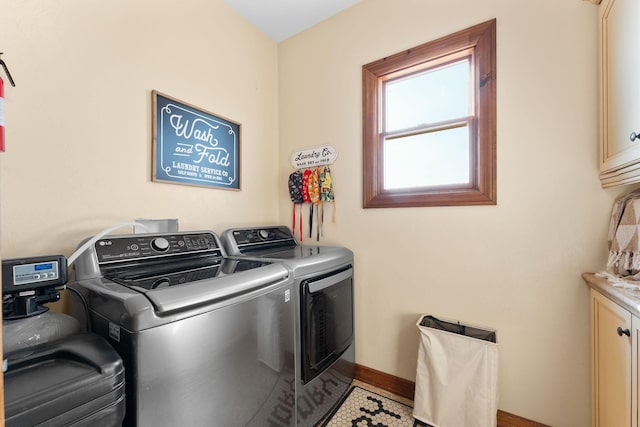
(515, 266)
(78, 129)
(79, 154)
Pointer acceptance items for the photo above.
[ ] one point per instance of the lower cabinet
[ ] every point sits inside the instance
(615, 334)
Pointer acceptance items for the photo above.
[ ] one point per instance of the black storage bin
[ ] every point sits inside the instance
(76, 381)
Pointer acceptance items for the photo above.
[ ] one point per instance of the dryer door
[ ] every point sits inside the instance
(326, 313)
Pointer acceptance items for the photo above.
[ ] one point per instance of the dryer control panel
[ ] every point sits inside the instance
(243, 240)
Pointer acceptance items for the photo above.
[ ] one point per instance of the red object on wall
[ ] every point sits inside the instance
(1, 114)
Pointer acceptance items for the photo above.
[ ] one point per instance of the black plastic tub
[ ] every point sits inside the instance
(76, 381)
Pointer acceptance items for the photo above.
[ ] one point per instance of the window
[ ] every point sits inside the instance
(429, 123)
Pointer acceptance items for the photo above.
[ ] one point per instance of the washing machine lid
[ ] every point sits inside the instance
(176, 271)
(180, 285)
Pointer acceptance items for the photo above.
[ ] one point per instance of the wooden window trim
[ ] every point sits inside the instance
(481, 41)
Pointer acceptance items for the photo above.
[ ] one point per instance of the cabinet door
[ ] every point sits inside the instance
(611, 363)
(620, 89)
(635, 369)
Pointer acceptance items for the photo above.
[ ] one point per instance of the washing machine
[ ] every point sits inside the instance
(206, 340)
(324, 327)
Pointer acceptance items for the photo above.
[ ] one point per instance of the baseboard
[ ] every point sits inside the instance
(406, 388)
(390, 383)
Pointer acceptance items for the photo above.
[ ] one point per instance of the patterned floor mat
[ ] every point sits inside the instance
(362, 408)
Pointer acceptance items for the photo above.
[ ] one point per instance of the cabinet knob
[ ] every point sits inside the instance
(634, 136)
(624, 332)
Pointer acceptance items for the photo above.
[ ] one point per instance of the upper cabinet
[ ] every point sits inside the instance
(619, 48)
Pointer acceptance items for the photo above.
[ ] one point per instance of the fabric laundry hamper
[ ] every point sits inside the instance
(457, 374)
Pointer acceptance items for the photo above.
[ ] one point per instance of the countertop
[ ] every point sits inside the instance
(627, 298)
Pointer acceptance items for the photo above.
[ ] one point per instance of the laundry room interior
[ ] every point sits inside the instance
(79, 158)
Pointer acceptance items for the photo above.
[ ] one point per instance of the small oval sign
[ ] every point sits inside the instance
(317, 156)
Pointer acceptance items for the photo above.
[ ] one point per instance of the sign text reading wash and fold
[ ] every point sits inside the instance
(193, 146)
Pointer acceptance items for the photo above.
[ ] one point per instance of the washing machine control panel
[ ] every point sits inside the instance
(126, 248)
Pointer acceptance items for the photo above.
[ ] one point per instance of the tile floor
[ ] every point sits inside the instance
(381, 392)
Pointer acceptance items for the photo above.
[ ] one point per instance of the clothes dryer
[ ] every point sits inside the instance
(323, 297)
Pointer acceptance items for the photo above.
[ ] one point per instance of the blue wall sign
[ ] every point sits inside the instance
(194, 147)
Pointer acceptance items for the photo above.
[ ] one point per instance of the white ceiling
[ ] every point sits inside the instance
(281, 19)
